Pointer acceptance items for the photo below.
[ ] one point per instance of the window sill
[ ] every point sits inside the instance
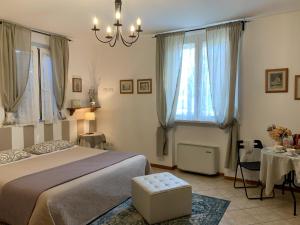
(195, 123)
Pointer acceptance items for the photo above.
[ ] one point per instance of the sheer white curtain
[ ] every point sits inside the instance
(194, 102)
(223, 50)
(28, 110)
(49, 108)
(34, 108)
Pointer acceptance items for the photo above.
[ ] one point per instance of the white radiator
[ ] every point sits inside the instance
(198, 158)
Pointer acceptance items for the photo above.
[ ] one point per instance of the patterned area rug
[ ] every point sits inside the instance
(206, 211)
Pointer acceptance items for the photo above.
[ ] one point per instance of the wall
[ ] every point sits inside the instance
(271, 42)
(130, 121)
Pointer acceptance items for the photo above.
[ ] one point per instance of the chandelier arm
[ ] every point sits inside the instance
(127, 44)
(113, 43)
(131, 42)
(99, 39)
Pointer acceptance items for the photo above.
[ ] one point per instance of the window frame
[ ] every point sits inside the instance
(198, 52)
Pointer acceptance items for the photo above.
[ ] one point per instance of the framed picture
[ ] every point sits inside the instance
(144, 86)
(126, 86)
(77, 84)
(297, 87)
(277, 80)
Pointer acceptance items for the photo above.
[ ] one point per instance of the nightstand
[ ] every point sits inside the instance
(94, 140)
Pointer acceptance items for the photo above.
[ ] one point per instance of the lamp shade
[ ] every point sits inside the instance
(90, 116)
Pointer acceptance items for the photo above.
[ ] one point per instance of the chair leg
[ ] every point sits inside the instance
(258, 184)
(243, 186)
(244, 183)
(234, 184)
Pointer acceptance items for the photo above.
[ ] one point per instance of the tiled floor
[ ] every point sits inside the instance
(241, 211)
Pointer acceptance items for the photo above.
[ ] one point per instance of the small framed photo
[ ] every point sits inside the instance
(277, 80)
(126, 86)
(77, 84)
(297, 87)
(144, 86)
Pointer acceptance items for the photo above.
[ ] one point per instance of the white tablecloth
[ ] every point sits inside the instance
(275, 165)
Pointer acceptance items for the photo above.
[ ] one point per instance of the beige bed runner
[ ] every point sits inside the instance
(18, 197)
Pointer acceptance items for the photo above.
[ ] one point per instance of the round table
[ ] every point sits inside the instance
(278, 167)
(92, 140)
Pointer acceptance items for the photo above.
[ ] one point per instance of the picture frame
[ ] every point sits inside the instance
(77, 84)
(126, 87)
(297, 87)
(277, 80)
(144, 86)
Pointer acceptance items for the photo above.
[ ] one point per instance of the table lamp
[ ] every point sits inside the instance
(90, 116)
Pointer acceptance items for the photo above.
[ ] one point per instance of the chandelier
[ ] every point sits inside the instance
(114, 35)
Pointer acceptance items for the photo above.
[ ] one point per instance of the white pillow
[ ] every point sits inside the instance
(12, 156)
(47, 147)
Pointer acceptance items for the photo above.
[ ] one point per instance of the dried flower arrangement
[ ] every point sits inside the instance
(277, 133)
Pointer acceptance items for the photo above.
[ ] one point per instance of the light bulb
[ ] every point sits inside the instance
(132, 29)
(118, 15)
(95, 21)
(108, 29)
(139, 22)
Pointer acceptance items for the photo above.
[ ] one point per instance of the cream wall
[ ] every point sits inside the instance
(271, 42)
(130, 121)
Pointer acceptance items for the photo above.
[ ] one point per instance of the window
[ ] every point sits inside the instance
(194, 100)
(38, 103)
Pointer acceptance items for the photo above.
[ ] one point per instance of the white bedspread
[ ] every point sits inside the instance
(81, 200)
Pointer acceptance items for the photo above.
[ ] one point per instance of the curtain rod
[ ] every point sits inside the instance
(243, 21)
(41, 32)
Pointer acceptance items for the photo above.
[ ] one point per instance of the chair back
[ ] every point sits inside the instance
(257, 144)
(240, 145)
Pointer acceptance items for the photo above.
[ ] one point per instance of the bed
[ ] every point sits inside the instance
(80, 200)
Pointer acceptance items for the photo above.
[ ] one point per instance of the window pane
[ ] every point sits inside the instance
(194, 100)
(49, 109)
(186, 99)
(206, 112)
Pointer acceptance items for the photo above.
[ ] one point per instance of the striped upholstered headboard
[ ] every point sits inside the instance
(19, 137)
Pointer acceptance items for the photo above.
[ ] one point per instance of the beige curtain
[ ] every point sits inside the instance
(168, 70)
(59, 49)
(15, 53)
(223, 56)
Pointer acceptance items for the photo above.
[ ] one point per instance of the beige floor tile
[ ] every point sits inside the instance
(241, 211)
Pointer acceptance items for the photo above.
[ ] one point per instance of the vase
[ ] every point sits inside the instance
(288, 141)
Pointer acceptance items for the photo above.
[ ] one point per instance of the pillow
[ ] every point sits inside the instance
(12, 156)
(47, 147)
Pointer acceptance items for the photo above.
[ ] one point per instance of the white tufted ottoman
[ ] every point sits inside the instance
(162, 196)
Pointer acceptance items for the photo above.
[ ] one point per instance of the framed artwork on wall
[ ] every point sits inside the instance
(126, 86)
(297, 87)
(77, 85)
(144, 86)
(277, 80)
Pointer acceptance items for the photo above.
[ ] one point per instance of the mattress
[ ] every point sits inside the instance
(83, 199)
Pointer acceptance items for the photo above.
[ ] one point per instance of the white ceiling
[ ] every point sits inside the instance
(74, 17)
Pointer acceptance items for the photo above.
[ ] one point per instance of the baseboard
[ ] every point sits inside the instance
(241, 180)
(252, 182)
(163, 167)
